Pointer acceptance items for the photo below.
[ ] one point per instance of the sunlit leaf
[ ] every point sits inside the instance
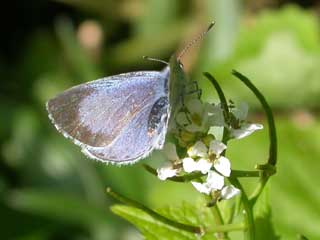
(152, 228)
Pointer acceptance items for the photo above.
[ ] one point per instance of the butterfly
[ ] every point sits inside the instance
(121, 119)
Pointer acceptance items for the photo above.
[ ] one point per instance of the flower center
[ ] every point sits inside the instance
(196, 119)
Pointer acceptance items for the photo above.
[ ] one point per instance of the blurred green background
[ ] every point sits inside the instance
(49, 190)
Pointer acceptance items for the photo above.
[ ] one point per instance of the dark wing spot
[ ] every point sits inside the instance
(158, 114)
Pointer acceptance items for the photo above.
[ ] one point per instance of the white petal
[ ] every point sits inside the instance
(198, 150)
(195, 106)
(245, 130)
(241, 111)
(223, 166)
(204, 166)
(171, 152)
(182, 119)
(216, 147)
(215, 181)
(229, 192)
(166, 172)
(201, 187)
(189, 165)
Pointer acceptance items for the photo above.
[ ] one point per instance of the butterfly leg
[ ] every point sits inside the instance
(193, 88)
(188, 90)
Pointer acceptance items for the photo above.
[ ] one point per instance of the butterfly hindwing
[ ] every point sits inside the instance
(109, 117)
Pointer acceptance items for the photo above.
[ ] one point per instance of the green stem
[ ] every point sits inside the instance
(184, 178)
(219, 222)
(130, 202)
(240, 173)
(224, 105)
(227, 228)
(223, 100)
(272, 128)
(272, 160)
(250, 233)
(258, 190)
(217, 214)
(192, 176)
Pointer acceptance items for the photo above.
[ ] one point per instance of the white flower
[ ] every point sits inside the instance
(229, 192)
(166, 172)
(216, 147)
(202, 165)
(213, 182)
(245, 130)
(241, 111)
(223, 166)
(221, 163)
(200, 116)
(199, 149)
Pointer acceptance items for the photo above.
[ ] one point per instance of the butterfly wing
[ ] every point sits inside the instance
(138, 139)
(109, 117)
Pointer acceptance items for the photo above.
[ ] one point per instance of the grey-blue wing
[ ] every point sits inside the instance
(110, 113)
(137, 140)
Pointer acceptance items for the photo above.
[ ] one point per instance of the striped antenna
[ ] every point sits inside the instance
(194, 41)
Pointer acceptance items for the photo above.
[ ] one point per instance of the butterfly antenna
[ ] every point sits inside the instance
(155, 60)
(194, 41)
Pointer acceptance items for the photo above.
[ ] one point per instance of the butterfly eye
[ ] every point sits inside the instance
(180, 65)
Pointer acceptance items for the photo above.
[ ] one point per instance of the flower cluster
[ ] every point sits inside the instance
(208, 161)
(203, 152)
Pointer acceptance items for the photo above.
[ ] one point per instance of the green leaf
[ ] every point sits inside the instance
(195, 214)
(151, 228)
